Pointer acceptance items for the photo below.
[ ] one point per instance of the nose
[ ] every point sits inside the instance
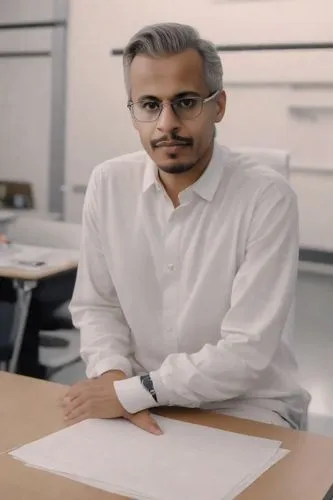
(168, 120)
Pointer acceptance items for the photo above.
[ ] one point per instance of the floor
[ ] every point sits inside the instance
(314, 348)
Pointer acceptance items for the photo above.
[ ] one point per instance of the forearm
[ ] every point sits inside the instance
(105, 339)
(215, 373)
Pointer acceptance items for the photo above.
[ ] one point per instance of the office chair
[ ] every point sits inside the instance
(277, 159)
(6, 342)
(58, 348)
(6, 217)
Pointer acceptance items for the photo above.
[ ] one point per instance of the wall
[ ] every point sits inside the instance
(25, 97)
(276, 99)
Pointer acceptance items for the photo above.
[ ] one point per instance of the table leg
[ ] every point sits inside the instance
(24, 292)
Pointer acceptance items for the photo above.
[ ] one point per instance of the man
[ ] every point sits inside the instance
(186, 283)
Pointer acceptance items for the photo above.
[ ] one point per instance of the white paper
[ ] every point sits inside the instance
(279, 454)
(113, 488)
(187, 461)
(27, 257)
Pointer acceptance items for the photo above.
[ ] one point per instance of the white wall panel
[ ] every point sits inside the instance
(25, 101)
(264, 88)
(14, 11)
(26, 40)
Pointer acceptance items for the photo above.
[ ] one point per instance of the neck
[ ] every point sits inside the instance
(174, 184)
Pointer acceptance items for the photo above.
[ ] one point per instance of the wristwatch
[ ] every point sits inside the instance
(147, 383)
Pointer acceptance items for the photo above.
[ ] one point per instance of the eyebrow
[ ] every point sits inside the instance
(187, 93)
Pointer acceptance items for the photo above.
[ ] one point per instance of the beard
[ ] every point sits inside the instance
(177, 168)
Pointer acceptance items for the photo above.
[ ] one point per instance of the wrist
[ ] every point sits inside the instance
(133, 396)
(148, 385)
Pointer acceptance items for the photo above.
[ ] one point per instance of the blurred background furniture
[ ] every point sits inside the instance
(6, 217)
(59, 342)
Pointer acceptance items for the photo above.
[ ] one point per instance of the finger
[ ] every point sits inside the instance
(64, 402)
(73, 405)
(78, 388)
(71, 396)
(67, 402)
(74, 391)
(145, 421)
(78, 412)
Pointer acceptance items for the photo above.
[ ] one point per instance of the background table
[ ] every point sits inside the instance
(24, 282)
(29, 410)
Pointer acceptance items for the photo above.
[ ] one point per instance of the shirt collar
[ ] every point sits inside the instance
(206, 186)
(150, 176)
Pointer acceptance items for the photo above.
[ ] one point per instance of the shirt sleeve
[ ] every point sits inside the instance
(95, 308)
(262, 294)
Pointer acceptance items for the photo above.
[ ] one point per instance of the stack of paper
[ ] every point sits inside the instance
(187, 461)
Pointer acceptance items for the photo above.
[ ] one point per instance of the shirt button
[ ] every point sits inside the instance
(171, 267)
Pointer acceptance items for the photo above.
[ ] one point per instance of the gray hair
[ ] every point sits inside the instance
(172, 38)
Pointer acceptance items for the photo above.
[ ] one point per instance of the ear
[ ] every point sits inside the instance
(221, 102)
(135, 124)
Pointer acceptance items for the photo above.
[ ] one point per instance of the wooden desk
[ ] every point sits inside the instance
(29, 410)
(24, 282)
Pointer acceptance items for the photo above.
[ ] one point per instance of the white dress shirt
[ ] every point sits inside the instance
(200, 296)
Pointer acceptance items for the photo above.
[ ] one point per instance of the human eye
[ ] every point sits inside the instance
(186, 102)
(149, 105)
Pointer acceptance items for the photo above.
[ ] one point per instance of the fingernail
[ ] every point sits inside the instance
(157, 430)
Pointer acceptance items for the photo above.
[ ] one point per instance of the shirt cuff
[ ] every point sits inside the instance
(133, 396)
(162, 393)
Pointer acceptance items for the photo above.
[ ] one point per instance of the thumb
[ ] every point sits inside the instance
(145, 421)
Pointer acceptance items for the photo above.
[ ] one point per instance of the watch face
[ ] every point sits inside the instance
(147, 383)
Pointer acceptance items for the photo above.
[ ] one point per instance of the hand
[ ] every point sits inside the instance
(95, 398)
(145, 421)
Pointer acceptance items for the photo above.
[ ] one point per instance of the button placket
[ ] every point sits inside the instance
(171, 290)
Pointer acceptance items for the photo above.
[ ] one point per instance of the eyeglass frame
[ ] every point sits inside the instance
(130, 105)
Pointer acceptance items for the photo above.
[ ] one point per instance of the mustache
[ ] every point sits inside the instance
(174, 138)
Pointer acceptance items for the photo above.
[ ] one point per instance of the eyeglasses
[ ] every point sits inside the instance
(185, 108)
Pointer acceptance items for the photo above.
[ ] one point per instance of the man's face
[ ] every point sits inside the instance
(175, 145)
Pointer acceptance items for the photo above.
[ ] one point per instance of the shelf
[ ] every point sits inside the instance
(260, 47)
(295, 85)
(310, 112)
(311, 170)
